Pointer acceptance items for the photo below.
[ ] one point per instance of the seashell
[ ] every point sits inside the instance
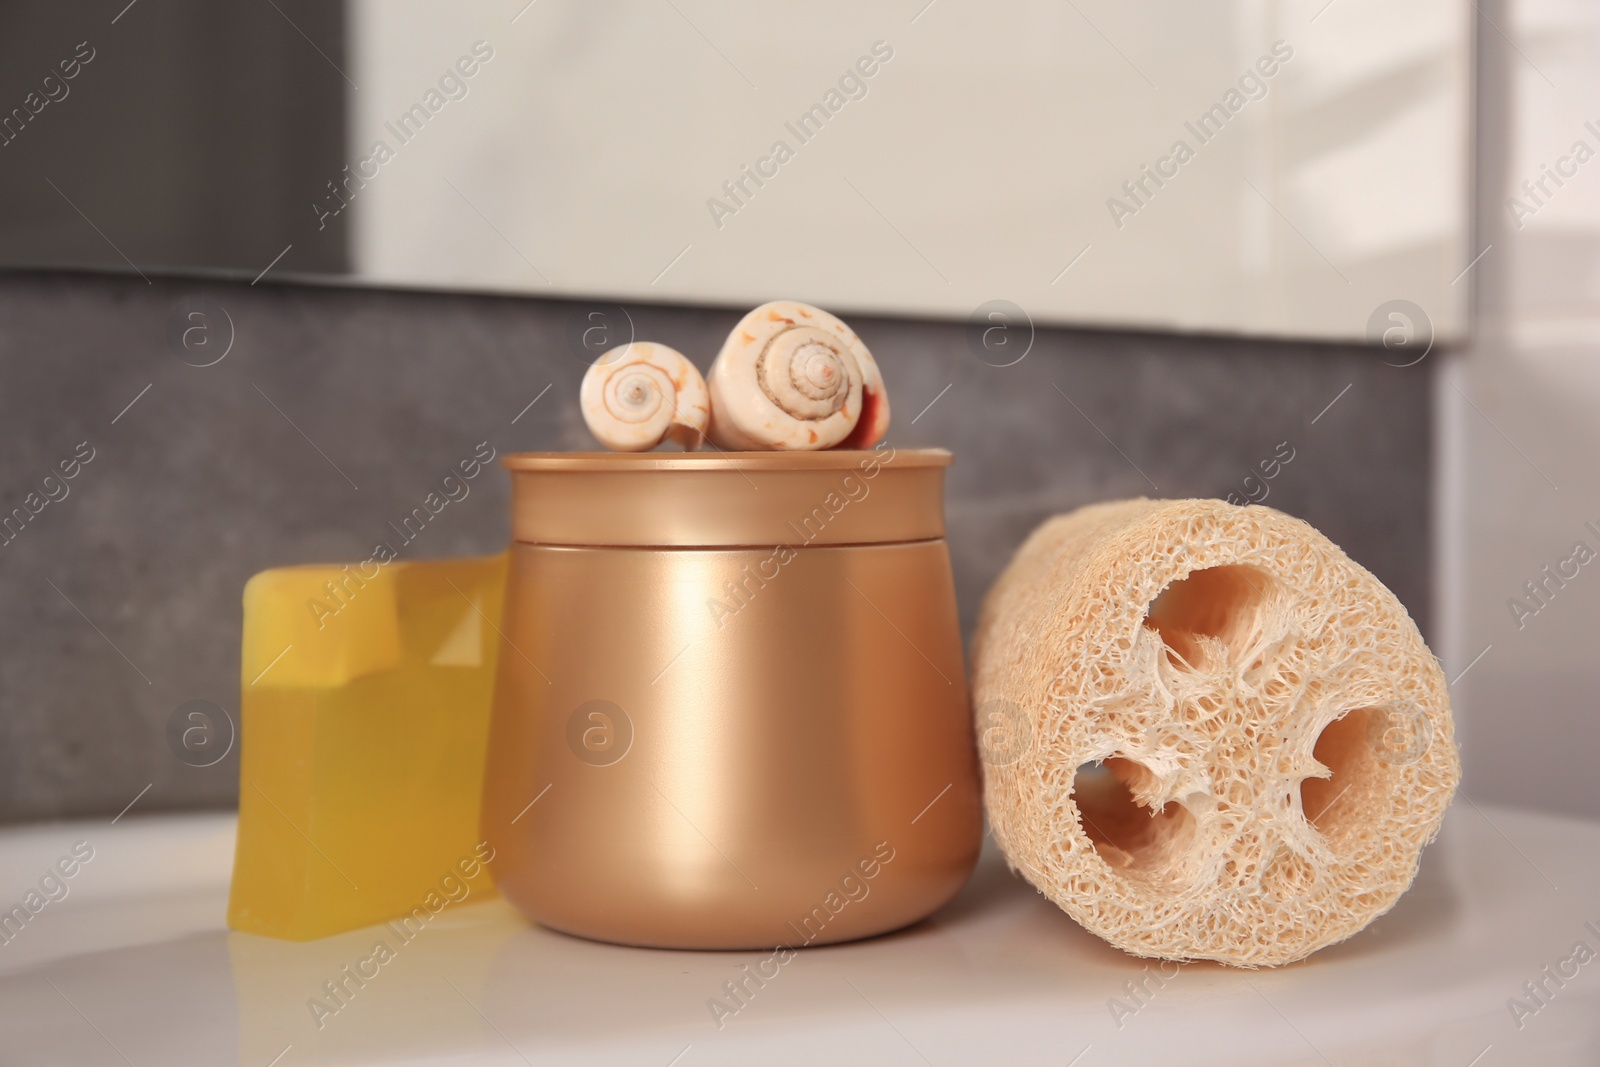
(636, 396)
(793, 377)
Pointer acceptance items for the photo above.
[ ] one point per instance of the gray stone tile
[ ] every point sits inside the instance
(203, 482)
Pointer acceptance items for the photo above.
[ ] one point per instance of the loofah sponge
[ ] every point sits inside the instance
(1207, 733)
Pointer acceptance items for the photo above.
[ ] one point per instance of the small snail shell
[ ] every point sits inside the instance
(641, 394)
(790, 377)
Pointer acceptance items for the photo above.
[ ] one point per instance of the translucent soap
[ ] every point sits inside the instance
(364, 719)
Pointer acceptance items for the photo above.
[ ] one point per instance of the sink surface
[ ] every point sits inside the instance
(134, 965)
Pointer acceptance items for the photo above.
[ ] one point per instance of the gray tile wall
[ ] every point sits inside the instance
(338, 409)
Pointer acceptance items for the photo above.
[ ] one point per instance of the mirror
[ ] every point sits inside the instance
(1266, 167)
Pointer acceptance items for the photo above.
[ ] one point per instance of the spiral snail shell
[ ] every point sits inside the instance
(636, 396)
(791, 377)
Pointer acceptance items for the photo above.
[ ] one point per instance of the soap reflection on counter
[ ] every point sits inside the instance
(347, 998)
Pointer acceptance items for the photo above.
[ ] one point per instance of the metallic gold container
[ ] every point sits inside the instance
(731, 710)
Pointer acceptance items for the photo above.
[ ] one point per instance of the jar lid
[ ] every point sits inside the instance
(725, 499)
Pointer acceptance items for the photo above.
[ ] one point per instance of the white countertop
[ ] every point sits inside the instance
(136, 966)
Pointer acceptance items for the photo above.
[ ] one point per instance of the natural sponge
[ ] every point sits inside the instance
(1208, 733)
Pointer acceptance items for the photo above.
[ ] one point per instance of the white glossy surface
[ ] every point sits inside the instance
(1519, 422)
(980, 163)
(135, 966)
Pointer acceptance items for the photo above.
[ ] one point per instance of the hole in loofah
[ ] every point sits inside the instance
(1345, 748)
(1124, 832)
(1223, 604)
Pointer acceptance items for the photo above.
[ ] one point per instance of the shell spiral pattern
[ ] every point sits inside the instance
(641, 394)
(792, 377)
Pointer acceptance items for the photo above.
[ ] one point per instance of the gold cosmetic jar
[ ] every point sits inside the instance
(730, 709)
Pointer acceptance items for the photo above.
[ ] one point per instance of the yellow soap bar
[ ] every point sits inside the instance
(364, 720)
